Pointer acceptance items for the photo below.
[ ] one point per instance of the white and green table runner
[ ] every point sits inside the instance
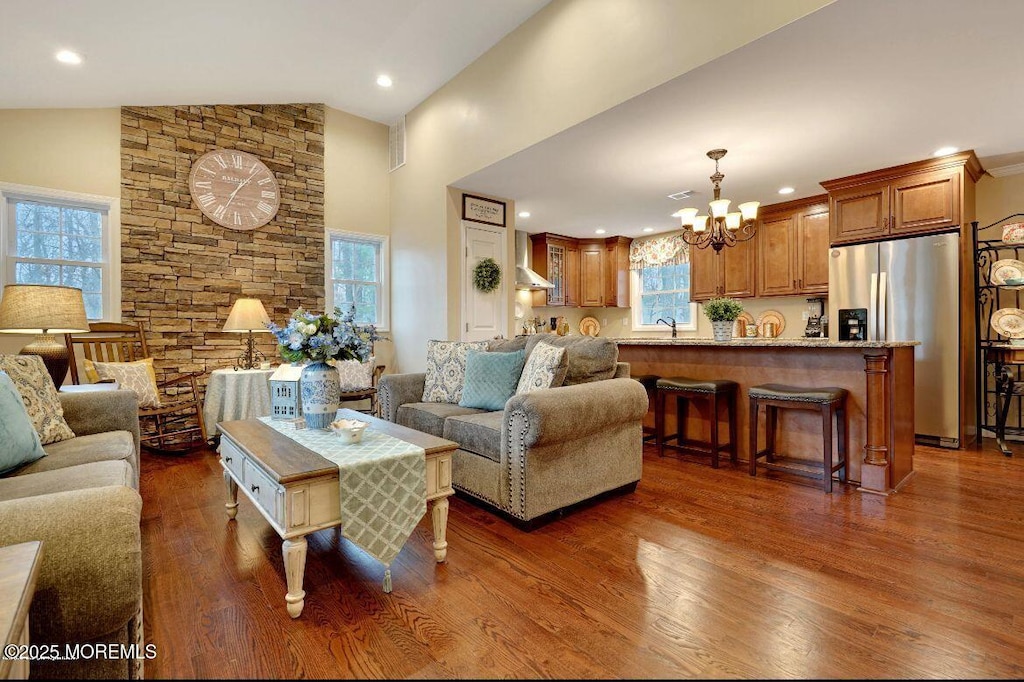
(383, 487)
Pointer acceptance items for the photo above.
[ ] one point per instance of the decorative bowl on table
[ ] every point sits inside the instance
(349, 430)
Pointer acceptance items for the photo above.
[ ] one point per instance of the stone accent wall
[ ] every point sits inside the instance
(181, 272)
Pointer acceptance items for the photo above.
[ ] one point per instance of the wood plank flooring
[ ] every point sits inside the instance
(700, 573)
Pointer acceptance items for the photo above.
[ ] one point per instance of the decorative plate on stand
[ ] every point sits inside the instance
(1009, 322)
(1006, 270)
(589, 326)
(771, 316)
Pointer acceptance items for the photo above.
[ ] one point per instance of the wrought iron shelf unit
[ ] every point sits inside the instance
(1000, 366)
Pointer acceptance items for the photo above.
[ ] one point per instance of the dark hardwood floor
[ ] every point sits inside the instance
(700, 573)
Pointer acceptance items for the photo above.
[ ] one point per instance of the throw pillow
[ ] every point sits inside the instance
(545, 368)
(139, 377)
(446, 370)
(39, 395)
(491, 378)
(590, 358)
(355, 375)
(21, 444)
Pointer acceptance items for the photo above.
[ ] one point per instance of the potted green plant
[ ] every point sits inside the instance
(723, 313)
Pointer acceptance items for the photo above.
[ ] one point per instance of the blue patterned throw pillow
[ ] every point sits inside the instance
(19, 442)
(491, 378)
(446, 370)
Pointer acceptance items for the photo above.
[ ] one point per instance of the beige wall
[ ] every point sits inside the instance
(355, 173)
(998, 198)
(570, 61)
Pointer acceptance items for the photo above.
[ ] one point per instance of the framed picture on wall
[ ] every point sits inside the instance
(481, 210)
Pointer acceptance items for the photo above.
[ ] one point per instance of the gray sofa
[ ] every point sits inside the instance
(82, 502)
(547, 450)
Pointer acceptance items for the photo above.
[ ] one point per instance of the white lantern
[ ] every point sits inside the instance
(285, 392)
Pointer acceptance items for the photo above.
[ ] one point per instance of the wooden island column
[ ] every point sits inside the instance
(879, 377)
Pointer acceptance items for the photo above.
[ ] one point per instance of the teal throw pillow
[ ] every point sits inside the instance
(19, 442)
(491, 378)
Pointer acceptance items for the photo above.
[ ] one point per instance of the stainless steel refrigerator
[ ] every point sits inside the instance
(911, 290)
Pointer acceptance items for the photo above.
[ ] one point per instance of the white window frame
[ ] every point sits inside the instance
(384, 300)
(637, 310)
(110, 207)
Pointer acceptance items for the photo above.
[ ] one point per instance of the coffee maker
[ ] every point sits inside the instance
(815, 311)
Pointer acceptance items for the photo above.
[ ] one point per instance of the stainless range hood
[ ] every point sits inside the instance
(526, 278)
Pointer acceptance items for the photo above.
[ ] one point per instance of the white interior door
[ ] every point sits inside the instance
(484, 316)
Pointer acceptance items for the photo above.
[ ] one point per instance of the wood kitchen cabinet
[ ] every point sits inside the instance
(588, 273)
(792, 248)
(915, 198)
(729, 272)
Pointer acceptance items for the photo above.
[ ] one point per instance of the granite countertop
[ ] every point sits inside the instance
(798, 342)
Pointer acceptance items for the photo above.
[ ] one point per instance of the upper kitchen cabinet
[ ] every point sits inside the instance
(549, 261)
(729, 272)
(915, 198)
(572, 274)
(792, 248)
(592, 273)
(616, 272)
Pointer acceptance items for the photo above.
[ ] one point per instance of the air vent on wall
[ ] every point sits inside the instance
(679, 196)
(396, 145)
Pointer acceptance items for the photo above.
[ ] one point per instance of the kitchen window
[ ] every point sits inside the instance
(357, 273)
(662, 291)
(58, 238)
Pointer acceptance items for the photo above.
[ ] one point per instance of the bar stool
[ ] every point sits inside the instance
(829, 401)
(650, 383)
(714, 392)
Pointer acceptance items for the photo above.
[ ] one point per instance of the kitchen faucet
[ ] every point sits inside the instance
(661, 320)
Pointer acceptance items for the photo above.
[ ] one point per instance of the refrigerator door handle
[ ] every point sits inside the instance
(872, 312)
(883, 326)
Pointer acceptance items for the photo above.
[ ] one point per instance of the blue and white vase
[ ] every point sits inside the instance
(321, 394)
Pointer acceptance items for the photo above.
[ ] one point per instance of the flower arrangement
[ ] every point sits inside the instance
(723, 309)
(319, 338)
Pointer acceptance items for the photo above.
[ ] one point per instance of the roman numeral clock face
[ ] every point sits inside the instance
(234, 189)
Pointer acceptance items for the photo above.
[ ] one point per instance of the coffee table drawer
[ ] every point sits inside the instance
(264, 491)
(233, 458)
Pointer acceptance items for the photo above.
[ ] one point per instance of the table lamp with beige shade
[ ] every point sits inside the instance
(44, 311)
(248, 316)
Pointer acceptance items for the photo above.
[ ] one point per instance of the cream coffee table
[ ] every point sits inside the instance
(297, 491)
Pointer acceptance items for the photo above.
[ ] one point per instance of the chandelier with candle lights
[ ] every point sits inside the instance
(721, 228)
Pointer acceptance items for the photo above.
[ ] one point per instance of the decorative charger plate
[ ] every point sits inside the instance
(739, 329)
(771, 316)
(1013, 233)
(1005, 269)
(589, 326)
(1009, 322)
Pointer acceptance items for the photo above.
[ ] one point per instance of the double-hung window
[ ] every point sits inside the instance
(663, 291)
(357, 274)
(58, 238)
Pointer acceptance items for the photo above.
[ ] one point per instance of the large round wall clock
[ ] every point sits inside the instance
(234, 189)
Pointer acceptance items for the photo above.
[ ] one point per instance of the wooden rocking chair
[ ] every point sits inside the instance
(162, 427)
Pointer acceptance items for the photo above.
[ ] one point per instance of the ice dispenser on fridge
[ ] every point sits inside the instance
(853, 324)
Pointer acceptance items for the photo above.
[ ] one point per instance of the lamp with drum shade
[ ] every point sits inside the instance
(44, 311)
(247, 316)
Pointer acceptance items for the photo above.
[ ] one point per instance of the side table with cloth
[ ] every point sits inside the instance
(236, 394)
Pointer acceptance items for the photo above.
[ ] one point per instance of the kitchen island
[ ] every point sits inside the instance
(879, 376)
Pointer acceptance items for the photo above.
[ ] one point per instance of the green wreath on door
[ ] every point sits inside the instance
(487, 275)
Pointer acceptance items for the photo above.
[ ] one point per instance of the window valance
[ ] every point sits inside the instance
(668, 250)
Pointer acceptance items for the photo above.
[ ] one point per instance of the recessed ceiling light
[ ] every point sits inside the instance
(524, 214)
(786, 190)
(69, 57)
(384, 81)
(943, 151)
(600, 231)
(647, 229)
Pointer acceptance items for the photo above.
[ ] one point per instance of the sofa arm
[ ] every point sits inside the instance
(90, 580)
(395, 390)
(569, 412)
(100, 411)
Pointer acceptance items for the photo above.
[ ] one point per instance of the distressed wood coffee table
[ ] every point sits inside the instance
(297, 491)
